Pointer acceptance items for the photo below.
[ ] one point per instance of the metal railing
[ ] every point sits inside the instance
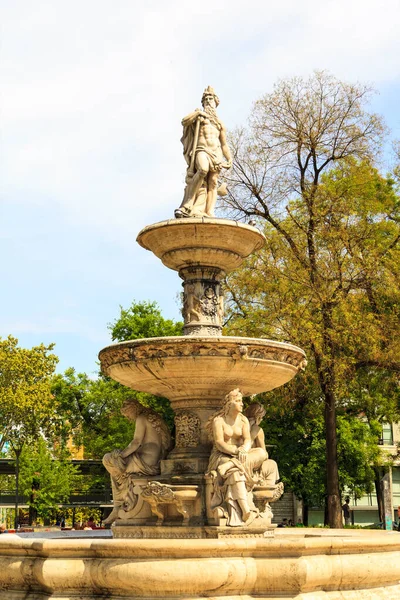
(77, 498)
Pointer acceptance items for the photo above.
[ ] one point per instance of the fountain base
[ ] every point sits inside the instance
(306, 564)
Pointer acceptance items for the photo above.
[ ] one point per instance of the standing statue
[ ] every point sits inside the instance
(234, 463)
(142, 456)
(204, 148)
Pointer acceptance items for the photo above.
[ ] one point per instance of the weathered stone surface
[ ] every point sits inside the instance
(195, 373)
(142, 457)
(219, 243)
(203, 301)
(185, 367)
(306, 565)
(206, 152)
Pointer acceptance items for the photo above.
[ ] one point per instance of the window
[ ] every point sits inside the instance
(387, 434)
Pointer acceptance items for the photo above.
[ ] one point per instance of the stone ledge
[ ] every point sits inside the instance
(346, 567)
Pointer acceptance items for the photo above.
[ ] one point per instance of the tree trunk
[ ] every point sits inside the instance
(305, 514)
(379, 496)
(33, 515)
(17, 455)
(326, 375)
(332, 473)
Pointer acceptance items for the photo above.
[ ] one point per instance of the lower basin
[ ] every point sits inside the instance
(184, 367)
(300, 565)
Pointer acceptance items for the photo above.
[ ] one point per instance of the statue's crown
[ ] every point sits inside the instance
(210, 90)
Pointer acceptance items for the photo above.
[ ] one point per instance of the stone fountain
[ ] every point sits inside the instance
(195, 526)
(195, 372)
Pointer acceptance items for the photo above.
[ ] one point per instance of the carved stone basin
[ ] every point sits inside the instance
(218, 243)
(181, 368)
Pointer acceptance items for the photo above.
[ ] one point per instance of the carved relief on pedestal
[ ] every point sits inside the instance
(161, 496)
(203, 303)
(187, 430)
(191, 304)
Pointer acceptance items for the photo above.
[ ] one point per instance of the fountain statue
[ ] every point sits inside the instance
(142, 457)
(196, 517)
(204, 148)
(218, 477)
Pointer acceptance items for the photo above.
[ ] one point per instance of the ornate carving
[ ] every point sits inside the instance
(125, 465)
(279, 489)
(202, 304)
(191, 304)
(187, 429)
(160, 494)
(228, 347)
(209, 302)
(149, 532)
(202, 330)
(261, 534)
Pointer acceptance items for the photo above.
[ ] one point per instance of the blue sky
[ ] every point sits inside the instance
(91, 98)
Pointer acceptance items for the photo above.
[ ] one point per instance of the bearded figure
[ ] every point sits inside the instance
(206, 152)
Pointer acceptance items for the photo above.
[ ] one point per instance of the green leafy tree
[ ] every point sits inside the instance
(26, 402)
(294, 426)
(143, 320)
(89, 413)
(89, 410)
(46, 479)
(328, 277)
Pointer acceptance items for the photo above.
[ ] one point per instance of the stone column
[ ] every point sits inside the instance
(203, 301)
(192, 443)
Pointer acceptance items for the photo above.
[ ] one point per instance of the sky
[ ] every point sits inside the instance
(92, 94)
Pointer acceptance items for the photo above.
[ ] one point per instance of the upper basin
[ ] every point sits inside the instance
(183, 367)
(220, 243)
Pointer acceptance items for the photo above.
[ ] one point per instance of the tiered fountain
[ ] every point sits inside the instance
(195, 371)
(195, 550)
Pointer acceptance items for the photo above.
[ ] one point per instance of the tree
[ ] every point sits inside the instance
(89, 413)
(26, 402)
(294, 425)
(143, 320)
(304, 170)
(89, 410)
(46, 479)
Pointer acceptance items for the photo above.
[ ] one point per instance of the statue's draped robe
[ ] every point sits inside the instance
(225, 493)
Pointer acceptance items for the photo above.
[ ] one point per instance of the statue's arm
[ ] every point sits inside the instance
(260, 440)
(224, 147)
(191, 117)
(140, 430)
(218, 435)
(245, 447)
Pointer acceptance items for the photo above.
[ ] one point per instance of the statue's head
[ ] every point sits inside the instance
(131, 409)
(233, 397)
(255, 412)
(209, 98)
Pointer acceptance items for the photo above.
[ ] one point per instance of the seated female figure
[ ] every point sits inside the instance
(233, 462)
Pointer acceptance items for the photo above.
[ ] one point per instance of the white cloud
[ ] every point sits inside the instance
(91, 100)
